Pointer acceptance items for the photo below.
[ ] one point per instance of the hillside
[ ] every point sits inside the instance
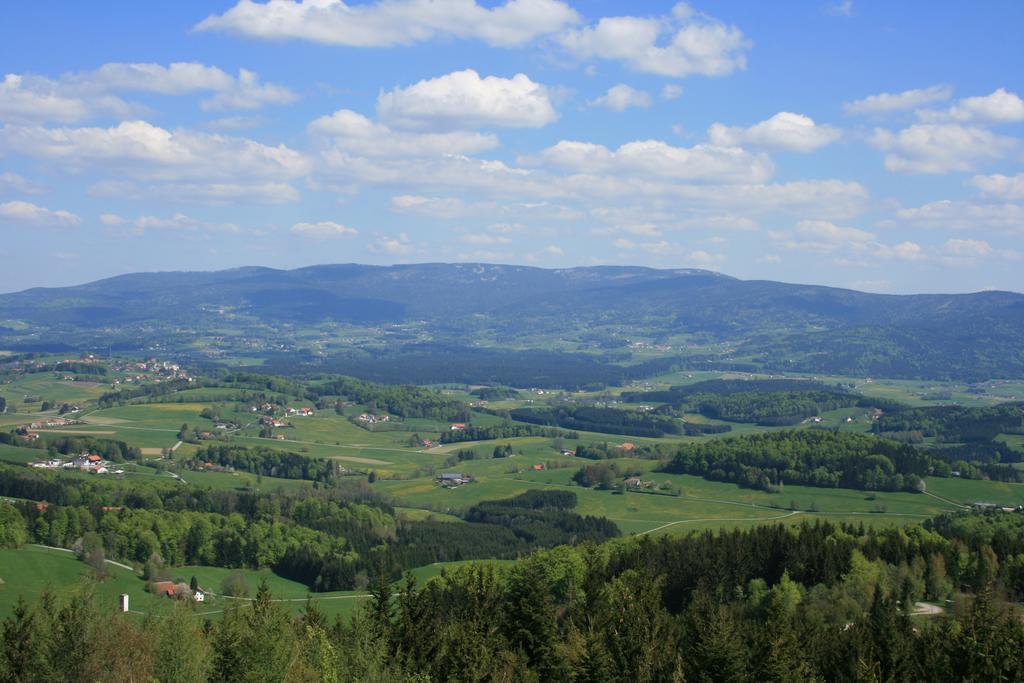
(710, 318)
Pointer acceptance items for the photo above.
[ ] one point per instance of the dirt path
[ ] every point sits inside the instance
(719, 519)
(67, 550)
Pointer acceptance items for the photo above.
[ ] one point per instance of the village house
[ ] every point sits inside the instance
(453, 479)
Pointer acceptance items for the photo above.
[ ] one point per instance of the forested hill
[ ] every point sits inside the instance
(776, 325)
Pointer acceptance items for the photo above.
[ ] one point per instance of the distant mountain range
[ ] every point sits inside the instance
(707, 317)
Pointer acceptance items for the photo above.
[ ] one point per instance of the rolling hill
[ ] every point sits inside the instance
(769, 325)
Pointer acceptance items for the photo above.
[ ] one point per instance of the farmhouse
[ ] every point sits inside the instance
(458, 427)
(453, 479)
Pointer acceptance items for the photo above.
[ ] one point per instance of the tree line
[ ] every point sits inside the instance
(810, 457)
(773, 603)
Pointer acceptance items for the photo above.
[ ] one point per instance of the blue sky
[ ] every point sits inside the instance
(872, 145)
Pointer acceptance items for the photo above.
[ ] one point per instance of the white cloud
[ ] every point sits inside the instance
(1001, 186)
(394, 245)
(205, 192)
(887, 103)
(1000, 106)
(393, 22)
(785, 130)
(77, 96)
(435, 207)
(323, 230)
(27, 213)
(904, 251)
(484, 239)
(671, 92)
(819, 236)
(178, 222)
(967, 248)
(26, 99)
(843, 8)
(962, 215)
(851, 246)
(937, 148)
(706, 163)
(12, 182)
(637, 229)
(462, 99)
(112, 219)
(181, 78)
(355, 133)
(682, 44)
(621, 97)
(705, 258)
(143, 150)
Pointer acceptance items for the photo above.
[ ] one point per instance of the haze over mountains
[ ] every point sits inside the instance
(771, 324)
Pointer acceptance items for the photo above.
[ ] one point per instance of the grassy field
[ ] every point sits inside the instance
(28, 571)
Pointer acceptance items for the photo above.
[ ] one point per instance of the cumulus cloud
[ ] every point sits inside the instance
(355, 133)
(621, 97)
(888, 103)
(395, 245)
(705, 163)
(27, 99)
(967, 248)
(434, 207)
(393, 22)
(1001, 186)
(77, 96)
(940, 148)
(484, 239)
(27, 213)
(682, 44)
(462, 99)
(1001, 106)
(178, 222)
(12, 182)
(904, 251)
(245, 91)
(823, 237)
(965, 215)
(785, 130)
(323, 230)
(671, 92)
(142, 150)
(850, 246)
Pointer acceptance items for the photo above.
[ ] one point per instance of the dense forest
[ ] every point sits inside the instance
(403, 400)
(955, 424)
(502, 431)
(773, 603)
(774, 408)
(268, 462)
(811, 457)
(604, 420)
(724, 387)
(769, 402)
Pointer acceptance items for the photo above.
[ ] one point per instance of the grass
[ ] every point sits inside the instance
(29, 570)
